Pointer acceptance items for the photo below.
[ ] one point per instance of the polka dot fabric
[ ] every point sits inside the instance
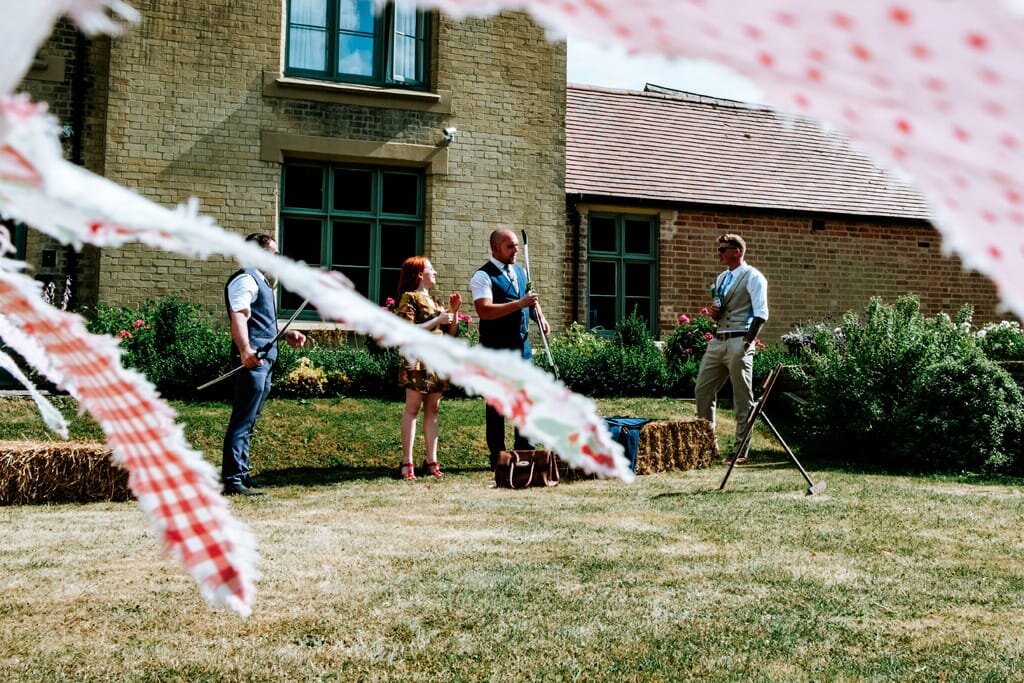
(930, 89)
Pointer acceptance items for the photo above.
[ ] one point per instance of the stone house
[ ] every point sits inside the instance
(653, 177)
(319, 122)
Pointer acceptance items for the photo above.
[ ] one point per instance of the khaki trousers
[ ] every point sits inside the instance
(726, 359)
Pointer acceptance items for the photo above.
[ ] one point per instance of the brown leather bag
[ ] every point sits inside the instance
(522, 469)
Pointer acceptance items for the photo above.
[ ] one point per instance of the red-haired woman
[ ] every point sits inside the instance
(422, 387)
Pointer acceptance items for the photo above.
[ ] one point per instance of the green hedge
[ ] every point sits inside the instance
(893, 388)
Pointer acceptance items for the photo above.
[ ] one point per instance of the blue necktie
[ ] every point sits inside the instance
(726, 281)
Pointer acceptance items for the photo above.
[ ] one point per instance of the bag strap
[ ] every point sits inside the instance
(512, 470)
(551, 475)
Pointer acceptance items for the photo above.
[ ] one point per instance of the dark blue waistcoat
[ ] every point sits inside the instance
(262, 322)
(510, 331)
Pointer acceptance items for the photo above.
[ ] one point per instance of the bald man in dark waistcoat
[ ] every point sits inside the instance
(504, 307)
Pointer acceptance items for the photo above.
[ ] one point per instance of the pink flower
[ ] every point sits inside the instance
(684, 319)
(708, 336)
(705, 311)
(124, 334)
(139, 323)
(688, 352)
(389, 303)
(463, 318)
(758, 344)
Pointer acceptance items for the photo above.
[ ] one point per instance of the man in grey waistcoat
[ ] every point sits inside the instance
(249, 298)
(740, 306)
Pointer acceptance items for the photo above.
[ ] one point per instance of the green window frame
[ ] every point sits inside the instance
(362, 221)
(347, 41)
(622, 269)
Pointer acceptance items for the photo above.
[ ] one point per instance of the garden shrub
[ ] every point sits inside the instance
(577, 353)
(348, 369)
(689, 340)
(1002, 341)
(963, 414)
(874, 391)
(304, 381)
(174, 343)
(631, 365)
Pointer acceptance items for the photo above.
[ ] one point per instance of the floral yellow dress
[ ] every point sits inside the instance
(419, 308)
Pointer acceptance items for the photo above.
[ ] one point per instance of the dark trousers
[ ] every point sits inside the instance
(495, 421)
(496, 435)
(251, 390)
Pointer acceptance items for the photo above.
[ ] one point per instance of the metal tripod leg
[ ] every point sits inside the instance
(812, 487)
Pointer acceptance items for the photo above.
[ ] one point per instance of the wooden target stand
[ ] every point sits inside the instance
(757, 411)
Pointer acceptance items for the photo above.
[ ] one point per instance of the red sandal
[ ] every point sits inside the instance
(433, 468)
(407, 471)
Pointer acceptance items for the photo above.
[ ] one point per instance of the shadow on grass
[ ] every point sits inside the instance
(338, 474)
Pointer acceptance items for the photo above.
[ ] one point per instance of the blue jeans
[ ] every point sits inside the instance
(251, 390)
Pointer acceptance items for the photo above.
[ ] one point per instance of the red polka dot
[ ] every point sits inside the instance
(814, 75)
(841, 20)
(1001, 177)
(989, 75)
(903, 126)
(898, 153)
(995, 109)
(995, 252)
(961, 134)
(1018, 218)
(1010, 141)
(801, 101)
(899, 15)
(850, 114)
(766, 60)
(753, 32)
(861, 52)
(881, 82)
(977, 41)
(623, 31)
(599, 8)
(1013, 196)
(961, 182)
(817, 55)
(710, 30)
(989, 217)
(920, 51)
(934, 84)
(786, 18)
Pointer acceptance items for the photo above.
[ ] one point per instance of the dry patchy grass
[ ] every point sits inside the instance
(370, 578)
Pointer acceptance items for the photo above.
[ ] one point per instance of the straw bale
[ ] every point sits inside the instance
(59, 471)
(676, 445)
(664, 445)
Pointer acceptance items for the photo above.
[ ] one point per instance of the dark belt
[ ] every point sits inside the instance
(722, 336)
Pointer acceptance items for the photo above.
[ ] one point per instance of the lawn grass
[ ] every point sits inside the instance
(369, 578)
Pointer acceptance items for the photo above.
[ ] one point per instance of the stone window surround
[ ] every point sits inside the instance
(274, 147)
(277, 85)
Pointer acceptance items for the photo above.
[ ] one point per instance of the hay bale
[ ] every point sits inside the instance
(665, 445)
(58, 472)
(676, 445)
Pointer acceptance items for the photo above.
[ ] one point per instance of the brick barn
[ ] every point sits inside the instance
(653, 177)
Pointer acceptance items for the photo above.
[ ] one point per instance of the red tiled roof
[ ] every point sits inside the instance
(689, 148)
